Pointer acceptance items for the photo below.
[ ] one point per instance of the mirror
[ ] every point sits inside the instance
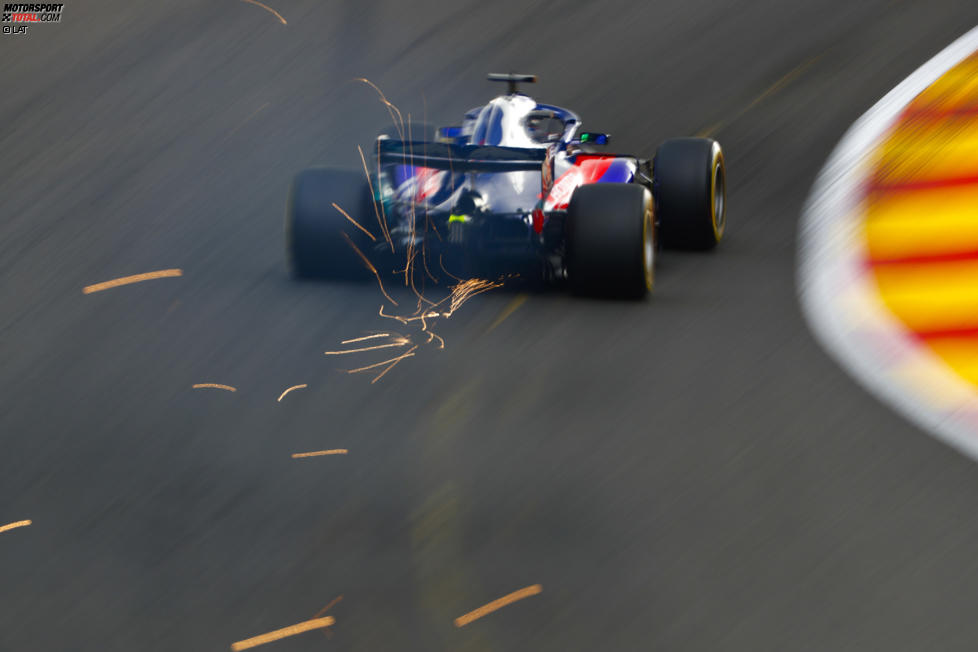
(594, 138)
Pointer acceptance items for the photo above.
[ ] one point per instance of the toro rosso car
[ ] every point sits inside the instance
(517, 186)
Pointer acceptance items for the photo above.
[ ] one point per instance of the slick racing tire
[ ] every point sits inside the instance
(317, 236)
(611, 240)
(689, 179)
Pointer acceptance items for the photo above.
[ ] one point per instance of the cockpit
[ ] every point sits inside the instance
(516, 121)
(543, 127)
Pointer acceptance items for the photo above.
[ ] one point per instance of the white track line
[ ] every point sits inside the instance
(840, 303)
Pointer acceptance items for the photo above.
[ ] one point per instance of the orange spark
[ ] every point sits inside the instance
(370, 266)
(267, 8)
(328, 606)
(316, 623)
(418, 294)
(380, 364)
(302, 386)
(214, 386)
(427, 315)
(392, 365)
(484, 610)
(366, 337)
(381, 214)
(459, 295)
(332, 451)
(397, 317)
(399, 120)
(126, 280)
(424, 243)
(426, 310)
(355, 223)
(468, 289)
(11, 526)
(442, 265)
(414, 222)
(401, 341)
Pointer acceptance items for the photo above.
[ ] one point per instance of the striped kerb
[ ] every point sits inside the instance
(921, 224)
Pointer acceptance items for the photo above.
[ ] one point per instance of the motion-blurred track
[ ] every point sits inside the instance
(690, 473)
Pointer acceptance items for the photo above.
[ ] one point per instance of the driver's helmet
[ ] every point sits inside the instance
(543, 127)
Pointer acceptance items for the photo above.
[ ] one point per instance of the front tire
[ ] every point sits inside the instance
(689, 178)
(611, 240)
(314, 230)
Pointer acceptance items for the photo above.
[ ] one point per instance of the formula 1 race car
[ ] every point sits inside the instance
(516, 186)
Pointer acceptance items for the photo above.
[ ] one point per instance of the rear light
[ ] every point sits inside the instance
(538, 220)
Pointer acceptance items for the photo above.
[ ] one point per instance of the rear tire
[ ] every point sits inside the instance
(690, 192)
(314, 230)
(611, 240)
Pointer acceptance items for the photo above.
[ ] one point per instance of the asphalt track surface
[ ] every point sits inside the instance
(689, 473)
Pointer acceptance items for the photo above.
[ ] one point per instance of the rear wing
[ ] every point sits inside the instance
(460, 158)
(512, 79)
